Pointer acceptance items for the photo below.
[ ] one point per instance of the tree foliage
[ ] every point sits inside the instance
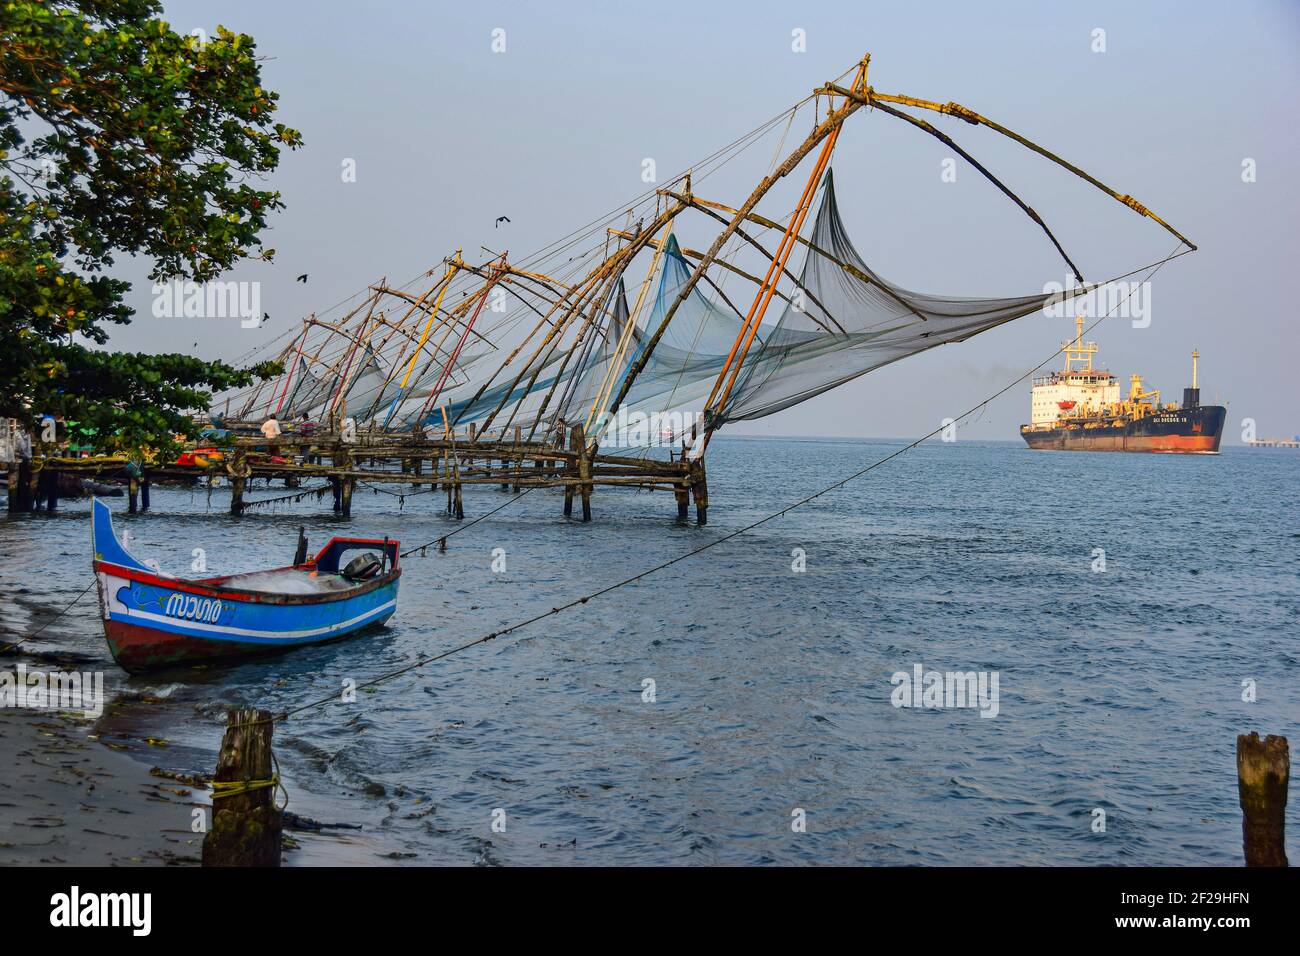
(120, 136)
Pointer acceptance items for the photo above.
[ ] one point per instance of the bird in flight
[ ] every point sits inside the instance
(500, 220)
(302, 278)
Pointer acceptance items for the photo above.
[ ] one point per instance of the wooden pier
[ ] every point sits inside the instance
(384, 461)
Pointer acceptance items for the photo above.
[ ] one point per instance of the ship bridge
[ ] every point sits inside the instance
(1078, 390)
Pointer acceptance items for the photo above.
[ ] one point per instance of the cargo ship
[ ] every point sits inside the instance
(1079, 409)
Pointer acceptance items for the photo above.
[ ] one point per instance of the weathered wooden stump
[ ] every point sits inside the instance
(1263, 772)
(246, 823)
(700, 489)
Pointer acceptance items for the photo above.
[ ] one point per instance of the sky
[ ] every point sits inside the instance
(447, 135)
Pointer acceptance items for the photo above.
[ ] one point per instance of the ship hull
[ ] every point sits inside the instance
(1187, 431)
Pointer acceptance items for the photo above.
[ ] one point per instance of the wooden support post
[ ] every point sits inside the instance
(133, 494)
(25, 479)
(342, 458)
(51, 490)
(246, 824)
(682, 493)
(446, 480)
(700, 489)
(336, 489)
(584, 469)
(460, 507)
(518, 458)
(144, 493)
(1263, 772)
(13, 486)
(239, 472)
(568, 472)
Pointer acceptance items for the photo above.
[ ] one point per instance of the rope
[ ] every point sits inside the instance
(9, 647)
(233, 788)
(296, 496)
(285, 715)
(421, 547)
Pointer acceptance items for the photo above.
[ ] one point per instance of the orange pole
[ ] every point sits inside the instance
(774, 271)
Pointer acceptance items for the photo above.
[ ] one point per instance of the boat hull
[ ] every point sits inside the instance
(151, 622)
(1188, 431)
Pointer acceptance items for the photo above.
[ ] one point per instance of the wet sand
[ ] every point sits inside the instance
(66, 799)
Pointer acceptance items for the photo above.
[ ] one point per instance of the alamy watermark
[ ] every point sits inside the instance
(650, 430)
(1119, 299)
(945, 690)
(185, 299)
(53, 690)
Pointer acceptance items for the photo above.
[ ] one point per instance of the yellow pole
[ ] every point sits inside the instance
(452, 268)
(607, 383)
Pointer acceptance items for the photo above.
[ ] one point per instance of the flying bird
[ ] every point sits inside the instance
(500, 220)
(302, 278)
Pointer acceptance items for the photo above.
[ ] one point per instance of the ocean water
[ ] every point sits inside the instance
(1118, 690)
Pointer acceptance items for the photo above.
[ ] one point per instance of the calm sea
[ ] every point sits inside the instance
(1118, 690)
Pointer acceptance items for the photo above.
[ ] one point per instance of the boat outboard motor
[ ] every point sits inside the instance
(300, 556)
(363, 567)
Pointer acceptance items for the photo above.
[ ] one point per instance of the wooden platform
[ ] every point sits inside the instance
(448, 463)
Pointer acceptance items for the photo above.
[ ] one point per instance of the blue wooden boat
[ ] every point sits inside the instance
(153, 620)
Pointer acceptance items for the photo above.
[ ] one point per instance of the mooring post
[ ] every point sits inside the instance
(1263, 773)
(51, 490)
(133, 494)
(144, 492)
(246, 823)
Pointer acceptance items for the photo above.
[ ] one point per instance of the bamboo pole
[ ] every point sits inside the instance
(832, 122)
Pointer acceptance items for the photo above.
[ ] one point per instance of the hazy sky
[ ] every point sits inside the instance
(447, 135)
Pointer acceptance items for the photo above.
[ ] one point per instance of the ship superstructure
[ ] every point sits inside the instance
(1080, 408)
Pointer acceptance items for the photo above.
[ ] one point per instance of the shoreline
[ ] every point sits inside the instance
(67, 800)
(70, 799)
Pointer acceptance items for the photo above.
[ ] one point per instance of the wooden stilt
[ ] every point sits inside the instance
(1263, 774)
(144, 493)
(246, 824)
(584, 469)
(336, 487)
(518, 459)
(569, 471)
(700, 489)
(25, 478)
(13, 486)
(133, 494)
(460, 507)
(51, 490)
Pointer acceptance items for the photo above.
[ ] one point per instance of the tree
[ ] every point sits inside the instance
(120, 136)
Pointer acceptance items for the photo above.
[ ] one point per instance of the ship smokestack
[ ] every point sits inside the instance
(1192, 396)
